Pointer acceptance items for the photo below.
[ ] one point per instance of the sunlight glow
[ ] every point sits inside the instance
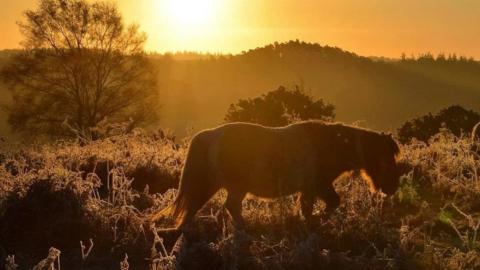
(189, 18)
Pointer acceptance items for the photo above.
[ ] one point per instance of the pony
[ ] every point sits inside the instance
(269, 162)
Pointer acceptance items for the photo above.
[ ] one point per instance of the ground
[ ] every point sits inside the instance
(58, 200)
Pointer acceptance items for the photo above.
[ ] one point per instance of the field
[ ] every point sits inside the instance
(84, 206)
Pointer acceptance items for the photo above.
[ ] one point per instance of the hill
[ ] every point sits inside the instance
(382, 93)
(379, 92)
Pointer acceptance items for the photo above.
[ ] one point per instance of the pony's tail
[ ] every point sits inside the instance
(192, 194)
(176, 211)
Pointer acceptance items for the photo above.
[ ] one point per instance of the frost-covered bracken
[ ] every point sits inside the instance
(63, 193)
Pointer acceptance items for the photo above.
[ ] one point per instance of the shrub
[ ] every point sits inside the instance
(454, 118)
(279, 108)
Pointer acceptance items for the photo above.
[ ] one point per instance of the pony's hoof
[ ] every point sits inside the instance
(329, 212)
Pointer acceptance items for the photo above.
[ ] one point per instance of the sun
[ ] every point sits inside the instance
(190, 16)
(190, 12)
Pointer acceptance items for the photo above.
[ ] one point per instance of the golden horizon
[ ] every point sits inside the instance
(370, 28)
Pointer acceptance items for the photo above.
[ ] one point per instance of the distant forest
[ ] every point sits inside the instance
(196, 90)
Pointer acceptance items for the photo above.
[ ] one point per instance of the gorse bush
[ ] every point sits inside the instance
(60, 194)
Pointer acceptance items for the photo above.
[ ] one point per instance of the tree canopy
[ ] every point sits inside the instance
(454, 118)
(280, 107)
(81, 65)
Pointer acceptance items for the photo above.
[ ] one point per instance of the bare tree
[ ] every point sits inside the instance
(80, 66)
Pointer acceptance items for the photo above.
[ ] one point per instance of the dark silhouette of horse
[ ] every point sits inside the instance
(305, 157)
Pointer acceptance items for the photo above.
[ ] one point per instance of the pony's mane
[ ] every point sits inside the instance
(391, 143)
(339, 124)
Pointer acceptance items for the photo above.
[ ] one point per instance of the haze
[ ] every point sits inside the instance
(371, 27)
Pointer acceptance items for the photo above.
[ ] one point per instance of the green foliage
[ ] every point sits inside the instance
(279, 108)
(454, 118)
(407, 192)
(445, 217)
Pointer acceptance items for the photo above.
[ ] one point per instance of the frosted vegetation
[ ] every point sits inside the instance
(79, 206)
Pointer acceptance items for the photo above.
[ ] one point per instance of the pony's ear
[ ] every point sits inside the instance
(388, 135)
(393, 144)
(390, 142)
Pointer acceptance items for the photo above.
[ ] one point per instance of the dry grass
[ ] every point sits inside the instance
(62, 195)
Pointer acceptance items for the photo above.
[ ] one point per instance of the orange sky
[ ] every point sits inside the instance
(368, 27)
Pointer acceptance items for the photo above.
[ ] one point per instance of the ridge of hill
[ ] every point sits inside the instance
(378, 92)
(381, 93)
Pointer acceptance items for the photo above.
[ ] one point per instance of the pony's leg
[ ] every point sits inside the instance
(195, 205)
(306, 202)
(331, 199)
(234, 207)
(189, 219)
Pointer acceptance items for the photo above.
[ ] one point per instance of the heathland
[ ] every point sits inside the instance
(87, 205)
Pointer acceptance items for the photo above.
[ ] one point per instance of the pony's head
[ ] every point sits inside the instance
(380, 151)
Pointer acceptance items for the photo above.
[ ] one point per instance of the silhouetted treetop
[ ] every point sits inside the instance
(296, 48)
(280, 107)
(454, 118)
